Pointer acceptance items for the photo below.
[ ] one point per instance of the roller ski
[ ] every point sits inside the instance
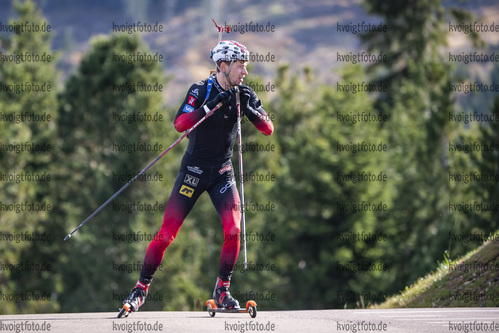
(136, 298)
(223, 302)
(212, 308)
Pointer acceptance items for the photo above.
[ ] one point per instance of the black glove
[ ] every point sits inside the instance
(223, 97)
(245, 95)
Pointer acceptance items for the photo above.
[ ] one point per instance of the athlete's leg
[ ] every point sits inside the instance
(186, 191)
(177, 208)
(225, 198)
(187, 188)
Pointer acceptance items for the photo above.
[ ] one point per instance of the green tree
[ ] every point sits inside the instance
(314, 254)
(104, 145)
(28, 103)
(472, 181)
(419, 100)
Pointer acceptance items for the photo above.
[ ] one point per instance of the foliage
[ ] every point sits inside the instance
(320, 238)
(32, 155)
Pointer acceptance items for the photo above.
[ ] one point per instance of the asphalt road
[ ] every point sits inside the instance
(398, 320)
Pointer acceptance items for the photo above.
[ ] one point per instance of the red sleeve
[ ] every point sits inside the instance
(257, 115)
(187, 120)
(264, 124)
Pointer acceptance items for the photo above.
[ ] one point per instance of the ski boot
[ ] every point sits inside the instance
(222, 296)
(136, 298)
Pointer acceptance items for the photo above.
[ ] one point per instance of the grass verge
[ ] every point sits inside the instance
(470, 281)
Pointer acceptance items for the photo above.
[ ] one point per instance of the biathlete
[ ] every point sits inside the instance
(206, 166)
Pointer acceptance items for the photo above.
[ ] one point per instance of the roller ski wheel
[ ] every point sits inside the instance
(251, 308)
(212, 308)
(125, 310)
(210, 304)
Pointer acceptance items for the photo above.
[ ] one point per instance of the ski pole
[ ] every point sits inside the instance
(219, 105)
(241, 186)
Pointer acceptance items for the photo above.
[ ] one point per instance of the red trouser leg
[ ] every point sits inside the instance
(224, 195)
(177, 209)
(228, 207)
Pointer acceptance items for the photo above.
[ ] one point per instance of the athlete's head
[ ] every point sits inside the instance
(231, 58)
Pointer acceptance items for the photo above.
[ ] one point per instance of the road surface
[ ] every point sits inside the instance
(397, 320)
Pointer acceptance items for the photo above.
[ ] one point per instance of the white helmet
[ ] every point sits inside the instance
(229, 50)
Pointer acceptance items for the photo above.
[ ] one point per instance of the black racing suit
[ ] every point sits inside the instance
(206, 166)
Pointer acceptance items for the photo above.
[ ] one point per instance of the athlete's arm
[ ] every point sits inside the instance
(189, 112)
(252, 108)
(188, 117)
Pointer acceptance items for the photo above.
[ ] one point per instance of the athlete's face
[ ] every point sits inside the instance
(238, 72)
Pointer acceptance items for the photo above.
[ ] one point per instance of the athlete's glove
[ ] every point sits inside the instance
(223, 97)
(245, 95)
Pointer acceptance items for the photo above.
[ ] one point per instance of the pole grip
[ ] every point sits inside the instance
(238, 100)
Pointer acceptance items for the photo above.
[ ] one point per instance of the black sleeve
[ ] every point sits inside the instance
(193, 99)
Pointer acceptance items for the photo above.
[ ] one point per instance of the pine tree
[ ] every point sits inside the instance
(106, 143)
(28, 104)
(316, 259)
(419, 100)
